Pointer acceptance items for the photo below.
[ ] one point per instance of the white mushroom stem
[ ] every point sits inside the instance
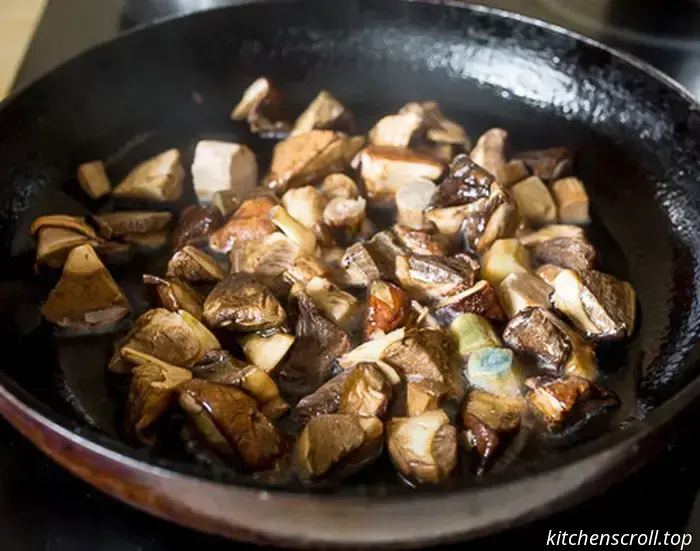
(411, 201)
(345, 213)
(534, 201)
(221, 166)
(94, 180)
(306, 205)
(299, 234)
(572, 201)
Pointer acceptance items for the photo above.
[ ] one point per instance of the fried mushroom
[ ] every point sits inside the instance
(195, 266)
(306, 205)
(159, 179)
(325, 112)
(566, 252)
(465, 182)
(262, 105)
(411, 201)
(93, 179)
(221, 166)
(387, 309)
(339, 186)
(490, 219)
(505, 257)
(489, 151)
(267, 352)
(547, 164)
(195, 225)
(338, 306)
(534, 201)
(430, 278)
(572, 201)
(518, 291)
(480, 299)
(176, 295)
(420, 242)
(119, 224)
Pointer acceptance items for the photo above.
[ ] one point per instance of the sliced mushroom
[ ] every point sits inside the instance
(411, 201)
(490, 219)
(386, 169)
(263, 107)
(421, 396)
(118, 224)
(225, 202)
(75, 224)
(325, 112)
(495, 370)
(338, 306)
(480, 299)
(420, 242)
(554, 231)
(423, 448)
(267, 352)
(511, 173)
(86, 298)
(241, 230)
(229, 419)
(152, 391)
(506, 256)
(301, 159)
(336, 446)
(566, 252)
(547, 164)
(301, 236)
(600, 306)
(176, 295)
(347, 214)
(440, 129)
(449, 220)
(387, 309)
(465, 182)
(489, 151)
(195, 266)
(93, 179)
(518, 291)
(242, 304)
(429, 278)
(548, 273)
(366, 392)
(489, 422)
(158, 179)
(361, 268)
(266, 259)
(305, 268)
(54, 244)
(564, 401)
(534, 201)
(397, 130)
(221, 166)
(473, 332)
(306, 205)
(195, 225)
(537, 333)
(339, 186)
(572, 201)
(372, 350)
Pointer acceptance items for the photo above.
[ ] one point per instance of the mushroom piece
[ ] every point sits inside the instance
(385, 169)
(387, 309)
(548, 273)
(325, 112)
(566, 252)
(300, 235)
(547, 164)
(490, 219)
(242, 304)
(348, 214)
(489, 151)
(152, 391)
(176, 295)
(496, 371)
(489, 422)
(301, 159)
(420, 242)
(319, 342)
(338, 306)
(423, 448)
(306, 205)
(159, 179)
(564, 401)
(523, 290)
(93, 179)
(334, 446)
(86, 298)
(152, 241)
(266, 259)
(221, 166)
(195, 225)
(511, 173)
(225, 202)
(241, 230)
(262, 106)
(267, 352)
(397, 130)
(554, 231)
(572, 201)
(599, 305)
(361, 268)
(372, 350)
(55, 243)
(480, 299)
(421, 396)
(506, 256)
(195, 266)
(411, 201)
(429, 278)
(440, 129)
(339, 186)
(534, 201)
(305, 268)
(465, 182)
(75, 224)
(448, 220)
(119, 224)
(231, 422)
(473, 332)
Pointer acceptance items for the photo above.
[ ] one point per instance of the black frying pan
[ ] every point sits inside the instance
(635, 136)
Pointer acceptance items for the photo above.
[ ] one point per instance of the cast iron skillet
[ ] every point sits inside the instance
(634, 133)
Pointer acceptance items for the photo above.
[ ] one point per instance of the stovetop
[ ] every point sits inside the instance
(43, 507)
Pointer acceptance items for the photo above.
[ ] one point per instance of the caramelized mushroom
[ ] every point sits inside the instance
(119, 224)
(338, 306)
(434, 277)
(267, 352)
(176, 295)
(75, 224)
(566, 252)
(439, 129)
(511, 173)
(423, 395)
(572, 201)
(547, 164)
(548, 273)
(420, 242)
(159, 179)
(537, 333)
(240, 230)
(93, 179)
(396, 130)
(305, 268)
(266, 259)
(195, 266)
(465, 182)
(480, 299)
(195, 225)
(55, 243)
(489, 151)
(323, 113)
(387, 309)
(518, 291)
(225, 202)
(221, 166)
(262, 106)
(490, 219)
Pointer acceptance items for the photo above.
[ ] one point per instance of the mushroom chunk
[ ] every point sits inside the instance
(547, 164)
(230, 421)
(72, 223)
(566, 252)
(473, 332)
(249, 222)
(421, 396)
(600, 306)
(58, 234)
(262, 106)
(266, 352)
(553, 231)
(266, 259)
(119, 224)
(465, 182)
(86, 298)
(511, 173)
(505, 257)
(152, 391)
(423, 448)
(159, 179)
(195, 225)
(565, 401)
(225, 202)
(306, 205)
(334, 446)
(305, 268)
(387, 309)
(439, 129)
(325, 112)
(297, 233)
(338, 306)
(339, 186)
(480, 299)
(548, 273)
(319, 342)
(372, 350)
(523, 290)
(301, 159)
(495, 370)
(433, 277)
(242, 304)
(572, 201)
(220, 166)
(373, 259)
(93, 179)
(397, 130)
(420, 242)
(195, 266)
(176, 295)
(348, 214)
(487, 220)
(489, 151)
(489, 422)
(386, 169)
(534, 201)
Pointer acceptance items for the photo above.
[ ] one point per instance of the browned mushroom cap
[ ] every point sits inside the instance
(301, 159)
(262, 105)
(191, 264)
(397, 130)
(229, 419)
(339, 186)
(563, 401)
(336, 445)
(195, 225)
(176, 295)
(55, 243)
(267, 352)
(423, 448)
(387, 309)
(490, 219)
(306, 205)
(421, 396)
(221, 166)
(420, 242)
(523, 290)
(153, 390)
(480, 299)
(600, 306)
(465, 182)
(548, 164)
(86, 297)
(93, 179)
(566, 252)
(385, 169)
(240, 230)
(118, 224)
(242, 304)
(572, 201)
(488, 421)
(429, 278)
(338, 306)
(324, 112)
(490, 150)
(159, 179)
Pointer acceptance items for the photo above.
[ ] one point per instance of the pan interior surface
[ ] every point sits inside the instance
(634, 139)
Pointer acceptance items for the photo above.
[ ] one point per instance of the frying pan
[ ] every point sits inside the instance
(635, 137)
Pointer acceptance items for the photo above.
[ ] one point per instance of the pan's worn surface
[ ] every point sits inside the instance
(635, 137)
